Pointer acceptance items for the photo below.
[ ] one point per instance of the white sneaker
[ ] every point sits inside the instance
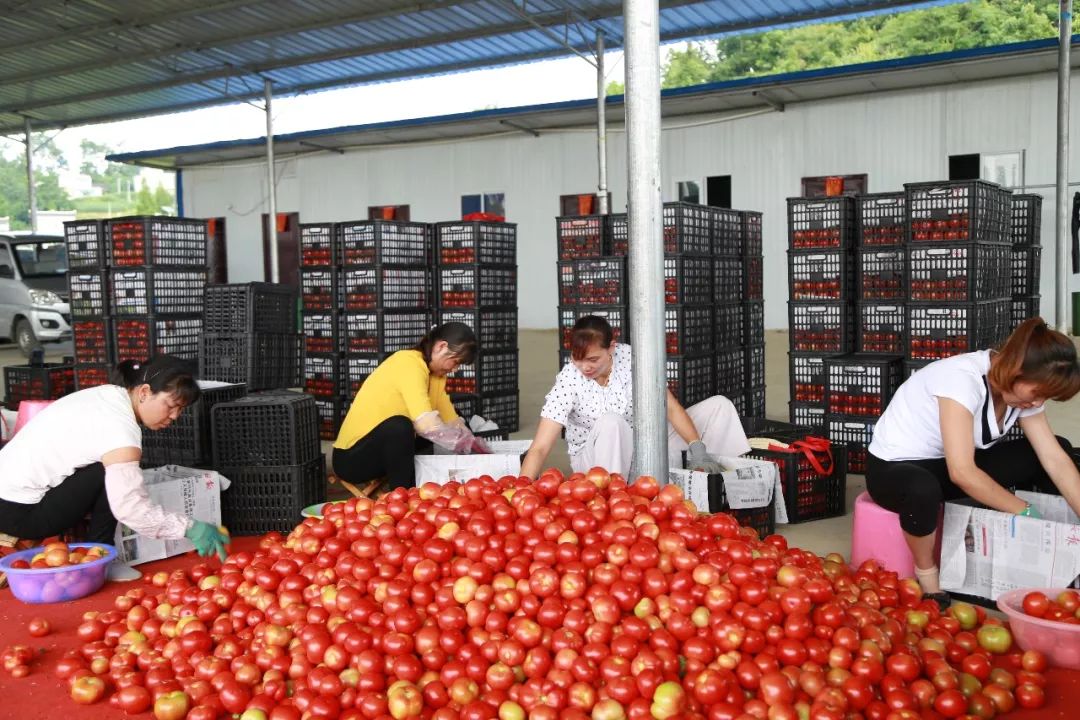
(119, 572)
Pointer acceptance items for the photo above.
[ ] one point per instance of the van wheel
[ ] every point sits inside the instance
(25, 338)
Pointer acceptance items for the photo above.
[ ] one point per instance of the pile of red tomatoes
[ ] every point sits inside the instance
(563, 599)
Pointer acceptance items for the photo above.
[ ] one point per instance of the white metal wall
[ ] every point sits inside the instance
(895, 137)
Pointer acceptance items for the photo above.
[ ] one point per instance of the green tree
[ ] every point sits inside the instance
(691, 66)
(144, 201)
(14, 200)
(615, 88)
(109, 176)
(164, 199)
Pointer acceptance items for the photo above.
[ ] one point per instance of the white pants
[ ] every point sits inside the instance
(610, 444)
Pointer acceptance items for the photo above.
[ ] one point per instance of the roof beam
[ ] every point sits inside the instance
(119, 23)
(222, 42)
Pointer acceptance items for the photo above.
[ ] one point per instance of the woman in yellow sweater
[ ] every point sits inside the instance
(405, 398)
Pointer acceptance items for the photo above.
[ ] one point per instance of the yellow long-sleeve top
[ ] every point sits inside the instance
(401, 385)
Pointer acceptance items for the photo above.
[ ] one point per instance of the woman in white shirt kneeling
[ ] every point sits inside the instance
(938, 439)
(81, 454)
(593, 401)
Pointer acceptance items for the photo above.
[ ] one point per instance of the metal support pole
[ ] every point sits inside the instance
(1062, 225)
(646, 236)
(31, 189)
(275, 275)
(601, 125)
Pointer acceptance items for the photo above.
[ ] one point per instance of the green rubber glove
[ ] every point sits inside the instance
(207, 539)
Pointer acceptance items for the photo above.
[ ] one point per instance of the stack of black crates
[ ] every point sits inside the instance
(476, 284)
(1026, 256)
(136, 290)
(365, 293)
(713, 314)
(268, 445)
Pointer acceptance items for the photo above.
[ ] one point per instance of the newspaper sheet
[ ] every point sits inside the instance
(748, 483)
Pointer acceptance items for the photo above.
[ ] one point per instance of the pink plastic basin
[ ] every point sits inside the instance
(50, 585)
(1058, 641)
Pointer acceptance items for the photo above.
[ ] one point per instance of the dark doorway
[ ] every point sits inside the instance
(965, 167)
(718, 191)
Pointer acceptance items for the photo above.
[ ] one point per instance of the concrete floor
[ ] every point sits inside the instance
(538, 367)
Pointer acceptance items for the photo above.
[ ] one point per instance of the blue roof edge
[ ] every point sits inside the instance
(747, 83)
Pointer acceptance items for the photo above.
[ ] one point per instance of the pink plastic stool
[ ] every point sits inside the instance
(876, 535)
(27, 410)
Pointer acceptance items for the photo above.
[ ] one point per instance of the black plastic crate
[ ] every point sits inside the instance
(186, 441)
(958, 211)
(940, 331)
(828, 275)
(465, 405)
(881, 273)
(754, 401)
(821, 327)
(727, 280)
(91, 375)
(495, 328)
(688, 329)
(819, 223)
(357, 369)
(471, 286)
(157, 291)
(730, 370)
(92, 341)
(322, 376)
(319, 290)
(809, 415)
(1026, 219)
(881, 328)
(762, 519)
(278, 428)
(472, 242)
(687, 228)
(251, 307)
(688, 280)
(88, 293)
(727, 231)
(318, 245)
(264, 361)
(502, 409)
(753, 278)
(753, 322)
(49, 381)
(760, 426)
(153, 240)
(141, 338)
(581, 238)
(384, 287)
(383, 241)
(808, 493)
(592, 282)
(1022, 308)
(958, 272)
(753, 243)
(861, 385)
(384, 331)
(270, 498)
(618, 233)
(729, 328)
(913, 366)
(690, 378)
(322, 332)
(489, 372)
(807, 378)
(331, 414)
(855, 433)
(86, 246)
(755, 365)
(617, 316)
(880, 219)
(1025, 269)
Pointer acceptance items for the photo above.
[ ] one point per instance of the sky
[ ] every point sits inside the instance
(527, 84)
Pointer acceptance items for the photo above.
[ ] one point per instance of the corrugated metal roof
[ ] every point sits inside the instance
(749, 94)
(67, 63)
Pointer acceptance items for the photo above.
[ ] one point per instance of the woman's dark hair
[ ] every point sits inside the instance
(459, 337)
(1034, 353)
(163, 373)
(590, 330)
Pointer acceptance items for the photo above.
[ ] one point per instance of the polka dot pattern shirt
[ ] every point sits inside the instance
(576, 402)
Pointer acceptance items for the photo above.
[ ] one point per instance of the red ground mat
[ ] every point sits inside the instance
(42, 697)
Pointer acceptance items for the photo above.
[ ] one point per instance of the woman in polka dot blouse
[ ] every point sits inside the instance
(593, 401)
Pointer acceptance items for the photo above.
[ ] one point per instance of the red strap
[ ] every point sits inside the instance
(811, 446)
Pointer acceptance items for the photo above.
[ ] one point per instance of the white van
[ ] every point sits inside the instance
(33, 290)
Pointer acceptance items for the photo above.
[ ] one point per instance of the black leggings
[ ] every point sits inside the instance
(915, 489)
(62, 508)
(387, 451)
